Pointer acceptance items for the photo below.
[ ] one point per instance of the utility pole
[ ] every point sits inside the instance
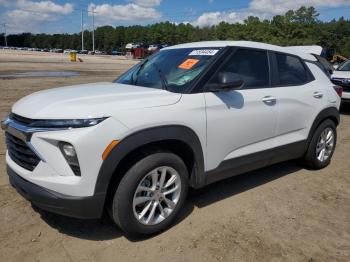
(5, 36)
(93, 30)
(82, 31)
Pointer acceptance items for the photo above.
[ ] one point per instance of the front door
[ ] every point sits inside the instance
(241, 122)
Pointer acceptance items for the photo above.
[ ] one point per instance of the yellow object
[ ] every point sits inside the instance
(73, 56)
(109, 149)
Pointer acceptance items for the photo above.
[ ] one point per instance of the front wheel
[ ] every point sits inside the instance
(150, 194)
(322, 145)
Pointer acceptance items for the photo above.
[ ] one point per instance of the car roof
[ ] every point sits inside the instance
(251, 44)
(310, 49)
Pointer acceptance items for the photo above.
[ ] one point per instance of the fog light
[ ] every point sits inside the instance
(68, 150)
(70, 155)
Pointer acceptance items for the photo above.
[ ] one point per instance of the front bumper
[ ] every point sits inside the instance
(52, 171)
(79, 207)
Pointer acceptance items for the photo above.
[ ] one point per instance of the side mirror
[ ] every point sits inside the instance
(227, 81)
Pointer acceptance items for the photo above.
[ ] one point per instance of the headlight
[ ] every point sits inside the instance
(71, 157)
(68, 123)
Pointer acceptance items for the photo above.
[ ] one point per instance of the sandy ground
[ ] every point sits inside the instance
(280, 213)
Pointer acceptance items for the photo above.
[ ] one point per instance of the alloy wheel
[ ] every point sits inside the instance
(157, 195)
(325, 144)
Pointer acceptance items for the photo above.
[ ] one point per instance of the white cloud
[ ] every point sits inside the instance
(147, 3)
(281, 6)
(5, 3)
(107, 13)
(262, 9)
(45, 7)
(28, 16)
(214, 18)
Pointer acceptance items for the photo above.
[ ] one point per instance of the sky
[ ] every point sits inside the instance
(64, 16)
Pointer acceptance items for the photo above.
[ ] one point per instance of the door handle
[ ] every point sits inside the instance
(269, 100)
(318, 95)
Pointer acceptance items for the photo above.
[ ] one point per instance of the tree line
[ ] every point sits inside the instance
(295, 27)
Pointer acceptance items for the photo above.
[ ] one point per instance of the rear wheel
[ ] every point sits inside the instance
(151, 194)
(322, 145)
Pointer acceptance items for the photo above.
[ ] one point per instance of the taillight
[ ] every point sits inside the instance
(339, 90)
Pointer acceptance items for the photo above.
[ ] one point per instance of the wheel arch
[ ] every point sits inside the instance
(331, 113)
(175, 138)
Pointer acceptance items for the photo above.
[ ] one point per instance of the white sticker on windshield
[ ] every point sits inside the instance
(204, 52)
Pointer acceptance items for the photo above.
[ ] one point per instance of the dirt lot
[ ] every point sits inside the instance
(280, 213)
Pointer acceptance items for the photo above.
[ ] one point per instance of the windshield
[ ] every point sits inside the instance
(173, 69)
(345, 66)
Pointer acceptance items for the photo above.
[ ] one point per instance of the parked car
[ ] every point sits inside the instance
(98, 52)
(116, 52)
(67, 51)
(83, 52)
(132, 46)
(341, 77)
(190, 115)
(154, 48)
(56, 50)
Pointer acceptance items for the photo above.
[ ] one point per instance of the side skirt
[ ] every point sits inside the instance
(243, 164)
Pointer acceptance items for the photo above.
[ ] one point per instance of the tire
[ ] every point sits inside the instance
(312, 158)
(125, 211)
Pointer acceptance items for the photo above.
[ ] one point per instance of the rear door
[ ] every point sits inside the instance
(241, 122)
(298, 95)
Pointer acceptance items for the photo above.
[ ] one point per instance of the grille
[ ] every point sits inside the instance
(20, 153)
(346, 88)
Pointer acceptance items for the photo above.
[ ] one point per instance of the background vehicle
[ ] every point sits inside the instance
(341, 77)
(83, 52)
(186, 116)
(131, 46)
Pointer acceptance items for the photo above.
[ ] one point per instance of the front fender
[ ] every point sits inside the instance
(147, 136)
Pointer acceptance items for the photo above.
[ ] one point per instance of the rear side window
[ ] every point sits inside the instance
(251, 65)
(291, 71)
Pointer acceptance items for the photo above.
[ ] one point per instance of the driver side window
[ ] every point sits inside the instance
(250, 65)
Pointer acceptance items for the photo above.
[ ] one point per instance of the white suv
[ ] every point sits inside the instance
(187, 116)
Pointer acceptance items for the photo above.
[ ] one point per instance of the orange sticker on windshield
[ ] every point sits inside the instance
(189, 63)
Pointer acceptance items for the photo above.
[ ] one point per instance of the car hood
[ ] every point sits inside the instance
(341, 74)
(91, 100)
